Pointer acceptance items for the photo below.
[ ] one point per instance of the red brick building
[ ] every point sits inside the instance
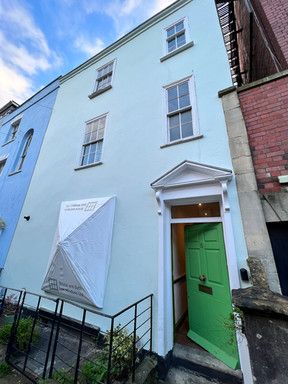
(257, 121)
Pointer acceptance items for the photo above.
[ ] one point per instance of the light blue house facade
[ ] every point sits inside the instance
(140, 121)
(21, 136)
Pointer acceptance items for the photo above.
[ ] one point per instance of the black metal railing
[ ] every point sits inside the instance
(59, 339)
(226, 14)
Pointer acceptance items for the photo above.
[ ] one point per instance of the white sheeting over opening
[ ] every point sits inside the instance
(80, 256)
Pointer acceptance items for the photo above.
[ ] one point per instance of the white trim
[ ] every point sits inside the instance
(186, 31)
(196, 220)
(214, 189)
(113, 61)
(194, 111)
(79, 166)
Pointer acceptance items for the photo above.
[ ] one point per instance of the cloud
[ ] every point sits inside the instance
(89, 47)
(13, 83)
(24, 51)
(159, 5)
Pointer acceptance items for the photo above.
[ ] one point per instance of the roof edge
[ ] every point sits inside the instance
(126, 38)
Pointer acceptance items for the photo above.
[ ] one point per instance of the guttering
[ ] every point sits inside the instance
(125, 39)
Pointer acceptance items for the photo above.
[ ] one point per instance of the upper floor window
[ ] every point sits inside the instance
(104, 77)
(103, 80)
(176, 36)
(93, 141)
(179, 111)
(23, 151)
(13, 131)
(2, 164)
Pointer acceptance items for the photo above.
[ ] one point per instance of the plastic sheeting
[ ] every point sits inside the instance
(80, 255)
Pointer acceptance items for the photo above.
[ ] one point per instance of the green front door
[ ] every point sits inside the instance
(209, 298)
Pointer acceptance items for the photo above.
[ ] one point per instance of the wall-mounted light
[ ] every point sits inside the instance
(27, 218)
(2, 224)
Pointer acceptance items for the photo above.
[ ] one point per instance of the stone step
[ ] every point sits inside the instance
(184, 376)
(202, 363)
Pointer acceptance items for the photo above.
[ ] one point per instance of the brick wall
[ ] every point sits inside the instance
(255, 58)
(262, 37)
(276, 13)
(265, 111)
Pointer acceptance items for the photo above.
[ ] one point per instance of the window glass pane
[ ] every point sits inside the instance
(91, 158)
(179, 26)
(187, 130)
(2, 166)
(175, 133)
(173, 121)
(173, 105)
(98, 151)
(196, 210)
(184, 101)
(84, 160)
(172, 93)
(93, 136)
(183, 89)
(186, 117)
(171, 45)
(181, 40)
(85, 150)
(170, 31)
(93, 148)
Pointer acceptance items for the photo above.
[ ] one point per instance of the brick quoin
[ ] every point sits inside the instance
(265, 111)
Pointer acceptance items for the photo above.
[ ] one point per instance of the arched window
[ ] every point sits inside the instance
(23, 150)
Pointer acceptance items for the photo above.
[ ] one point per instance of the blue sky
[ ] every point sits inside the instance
(42, 39)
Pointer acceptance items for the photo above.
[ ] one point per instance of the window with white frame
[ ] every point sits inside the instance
(13, 131)
(179, 111)
(2, 164)
(104, 77)
(176, 36)
(93, 141)
(23, 151)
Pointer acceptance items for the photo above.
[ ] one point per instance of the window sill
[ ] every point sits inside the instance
(14, 173)
(88, 166)
(99, 92)
(182, 141)
(7, 142)
(176, 51)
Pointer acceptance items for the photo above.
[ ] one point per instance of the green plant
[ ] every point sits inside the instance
(5, 369)
(5, 332)
(63, 377)
(23, 333)
(122, 357)
(95, 371)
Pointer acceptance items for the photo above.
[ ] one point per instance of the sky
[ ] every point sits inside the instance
(42, 39)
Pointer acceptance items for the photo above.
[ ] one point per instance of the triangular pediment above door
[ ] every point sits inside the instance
(188, 173)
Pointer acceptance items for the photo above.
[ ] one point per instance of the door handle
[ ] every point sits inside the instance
(202, 278)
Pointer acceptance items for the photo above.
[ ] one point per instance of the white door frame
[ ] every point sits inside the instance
(185, 184)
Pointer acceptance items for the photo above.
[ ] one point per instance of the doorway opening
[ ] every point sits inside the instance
(201, 291)
(189, 214)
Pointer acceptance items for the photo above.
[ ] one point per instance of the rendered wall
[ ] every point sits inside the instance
(132, 157)
(34, 114)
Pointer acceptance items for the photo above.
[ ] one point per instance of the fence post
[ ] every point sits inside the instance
(56, 340)
(110, 351)
(50, 339)
(134, 344)
(15, 324)
(31, 335)
(79, 347)
(151, 322)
